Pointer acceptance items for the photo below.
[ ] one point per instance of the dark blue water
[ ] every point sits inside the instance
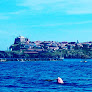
(31, 76)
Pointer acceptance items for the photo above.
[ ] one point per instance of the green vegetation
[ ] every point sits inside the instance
(77, 53)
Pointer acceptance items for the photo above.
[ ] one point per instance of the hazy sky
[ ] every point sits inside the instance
(57, 20)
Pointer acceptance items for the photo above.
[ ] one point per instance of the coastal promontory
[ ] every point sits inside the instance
(47, 50)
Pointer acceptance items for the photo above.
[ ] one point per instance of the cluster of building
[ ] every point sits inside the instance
(24, 44)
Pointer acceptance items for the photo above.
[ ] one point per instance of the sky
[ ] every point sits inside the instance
(45, 20)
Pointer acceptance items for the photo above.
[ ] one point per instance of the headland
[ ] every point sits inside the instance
(25, 50)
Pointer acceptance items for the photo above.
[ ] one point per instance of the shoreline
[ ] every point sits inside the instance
(36, 59)
(30, 59)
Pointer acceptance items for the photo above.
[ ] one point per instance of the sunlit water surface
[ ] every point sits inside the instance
(31, 76)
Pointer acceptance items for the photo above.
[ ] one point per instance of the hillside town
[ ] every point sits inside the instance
(24, 44)
(24, 49)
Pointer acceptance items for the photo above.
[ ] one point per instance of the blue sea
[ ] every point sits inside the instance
(32, 76)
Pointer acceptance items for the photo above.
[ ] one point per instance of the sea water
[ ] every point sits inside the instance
(33, 76)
